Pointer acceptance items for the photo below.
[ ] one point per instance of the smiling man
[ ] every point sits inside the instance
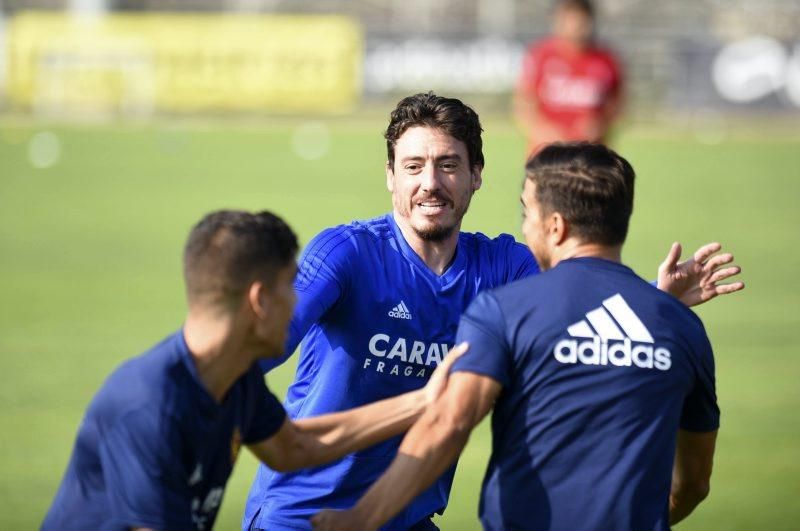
(602, 387)
(379, 303)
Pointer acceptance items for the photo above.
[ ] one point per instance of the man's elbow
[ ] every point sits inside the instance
(293, 458)
(451, 430)
(699, 491)
(692, 493)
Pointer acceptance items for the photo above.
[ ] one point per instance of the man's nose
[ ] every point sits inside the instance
(429, 177)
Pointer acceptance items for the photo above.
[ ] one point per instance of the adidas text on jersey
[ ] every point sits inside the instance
(613, 335)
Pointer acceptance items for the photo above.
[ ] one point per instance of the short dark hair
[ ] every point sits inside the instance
(589, 184)
(586, 6)
(229, 249)
(447, 114)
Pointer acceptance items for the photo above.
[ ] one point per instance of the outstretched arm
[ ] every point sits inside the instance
(700, 278)
(429, 448)
(315, 441)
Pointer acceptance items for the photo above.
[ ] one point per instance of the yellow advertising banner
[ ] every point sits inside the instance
(136, 64)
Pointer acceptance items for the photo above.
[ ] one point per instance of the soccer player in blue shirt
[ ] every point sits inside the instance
(379, 303)
(602, 386)
(160, 438)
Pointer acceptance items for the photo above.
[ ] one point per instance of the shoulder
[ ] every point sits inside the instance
(678, 313)
(482, 242)
(543, 45)
(349, 237)
(503, 250)
(605, 54)
(146, 383)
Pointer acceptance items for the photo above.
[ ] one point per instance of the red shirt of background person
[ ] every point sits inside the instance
(569, 88)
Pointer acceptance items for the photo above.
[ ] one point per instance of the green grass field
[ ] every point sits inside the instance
(90, 275)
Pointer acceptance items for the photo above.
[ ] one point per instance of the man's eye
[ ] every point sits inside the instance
(449, 166)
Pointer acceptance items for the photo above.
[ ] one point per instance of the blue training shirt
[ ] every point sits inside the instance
(155, 449)
(376, 322)
(599, 370)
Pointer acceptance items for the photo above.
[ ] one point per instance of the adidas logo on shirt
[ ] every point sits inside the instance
(400, 311)
(612, 335)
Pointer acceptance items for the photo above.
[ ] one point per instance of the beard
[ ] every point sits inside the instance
(436, 233)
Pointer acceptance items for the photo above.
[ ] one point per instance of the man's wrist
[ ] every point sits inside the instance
(365, 517)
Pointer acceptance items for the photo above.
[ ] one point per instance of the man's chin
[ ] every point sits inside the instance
(434, 232)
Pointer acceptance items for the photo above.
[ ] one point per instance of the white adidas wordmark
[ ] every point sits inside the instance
(611, 332)
(400, 311)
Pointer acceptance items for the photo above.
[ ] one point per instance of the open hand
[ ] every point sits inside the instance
(698, 279)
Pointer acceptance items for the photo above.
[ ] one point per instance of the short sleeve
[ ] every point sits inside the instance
(145, 477)
(700, 410)
(483, 327)
(267, 414)
(323, 276)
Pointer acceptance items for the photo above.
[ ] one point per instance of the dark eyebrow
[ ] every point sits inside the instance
(443, 158)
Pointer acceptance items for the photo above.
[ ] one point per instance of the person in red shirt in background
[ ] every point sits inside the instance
(569, 87)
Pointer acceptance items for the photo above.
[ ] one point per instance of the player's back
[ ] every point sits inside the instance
(584, 431)
(81, 501)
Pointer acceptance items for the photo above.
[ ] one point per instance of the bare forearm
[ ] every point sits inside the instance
(429, 448)
(691, 472)
(339, 434)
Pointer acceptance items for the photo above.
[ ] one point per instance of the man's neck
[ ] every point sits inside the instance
(437, 255)
(218, 351)
(577, 249)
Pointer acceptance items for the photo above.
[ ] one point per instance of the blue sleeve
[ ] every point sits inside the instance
(523, 263)
(145, 478)
(323, 276)
(700, 410)
(266, 414)
(483, 327)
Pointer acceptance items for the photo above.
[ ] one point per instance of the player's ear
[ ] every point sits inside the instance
(477, 177)
(389, 176)
(558, 228)
(257, 298)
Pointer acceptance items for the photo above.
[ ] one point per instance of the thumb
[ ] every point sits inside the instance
(672, 258)
(455, 353)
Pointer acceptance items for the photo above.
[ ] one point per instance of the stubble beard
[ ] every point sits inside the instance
(440, 232)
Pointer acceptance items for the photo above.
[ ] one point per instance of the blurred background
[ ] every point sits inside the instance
(123, 122)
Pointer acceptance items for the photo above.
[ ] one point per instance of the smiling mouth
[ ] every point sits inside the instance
(432, 204)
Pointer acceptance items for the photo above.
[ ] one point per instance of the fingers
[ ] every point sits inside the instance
(705, 252)
(718, 260)
(454, 353)
(724, 289)
(672, 258)
(723, 274)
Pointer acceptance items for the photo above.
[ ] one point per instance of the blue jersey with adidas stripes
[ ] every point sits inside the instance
(155, 449)
(599, 370)
(375, 321)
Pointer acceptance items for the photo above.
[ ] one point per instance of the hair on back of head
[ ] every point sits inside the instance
(450, 115)
(228, 250)
(589, 184)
